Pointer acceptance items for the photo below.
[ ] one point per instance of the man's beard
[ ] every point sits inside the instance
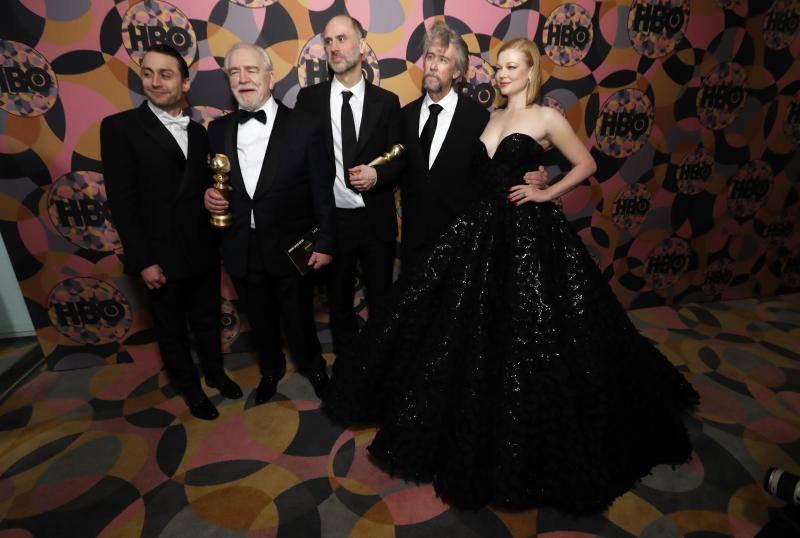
(345, 67)
(437, 85)
(248, 102)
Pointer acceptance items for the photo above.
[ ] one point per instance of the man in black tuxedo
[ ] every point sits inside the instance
(155, 168)
(361, 121)
(442, 138)
(282, 187)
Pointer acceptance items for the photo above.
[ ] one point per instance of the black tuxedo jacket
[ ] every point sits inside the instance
(381, 128)
(294, 191)
(432, 199)
(156, 194)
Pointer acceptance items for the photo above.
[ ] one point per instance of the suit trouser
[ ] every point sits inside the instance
(271, 301)
(196, 300)
(356, 243)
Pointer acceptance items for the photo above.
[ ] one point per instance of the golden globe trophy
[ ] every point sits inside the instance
(393, 153)
(220, 165)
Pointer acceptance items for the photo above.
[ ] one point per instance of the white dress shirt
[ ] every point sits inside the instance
(345, 198)
(176, 125)
(448, 104)
(252, 139)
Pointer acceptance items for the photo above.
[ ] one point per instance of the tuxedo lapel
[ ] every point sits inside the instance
(370, 115)
(412, 128)
(231, 133)
(457, 125)
(269, 169)
(325, 96)
(154, 128)
(193, 131)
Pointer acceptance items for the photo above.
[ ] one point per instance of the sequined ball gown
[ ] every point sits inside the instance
(506, 372)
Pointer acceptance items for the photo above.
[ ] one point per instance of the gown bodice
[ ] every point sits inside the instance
(516, 154)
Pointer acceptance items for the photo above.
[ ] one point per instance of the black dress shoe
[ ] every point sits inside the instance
(319, 380)
(267, 388)
(226, 386)
(202, 408)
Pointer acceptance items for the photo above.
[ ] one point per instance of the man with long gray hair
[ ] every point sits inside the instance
(441, 136)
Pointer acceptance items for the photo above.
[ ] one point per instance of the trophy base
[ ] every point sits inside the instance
(221, 221)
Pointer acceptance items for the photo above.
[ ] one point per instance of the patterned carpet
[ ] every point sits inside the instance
(19, 357)
(111, 452)
(12, 350)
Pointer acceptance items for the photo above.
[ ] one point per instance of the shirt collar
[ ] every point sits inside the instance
(160, 113)
(358, 90)
(448, 102)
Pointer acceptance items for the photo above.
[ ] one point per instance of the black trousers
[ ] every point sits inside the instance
(196, 300)
(274, 301)
(356, 244)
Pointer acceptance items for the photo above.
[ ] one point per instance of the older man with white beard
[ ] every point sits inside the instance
(282, 187)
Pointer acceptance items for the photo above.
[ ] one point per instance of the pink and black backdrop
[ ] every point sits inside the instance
(690, 107)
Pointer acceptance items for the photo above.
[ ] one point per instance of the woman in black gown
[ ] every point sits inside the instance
(504, 370)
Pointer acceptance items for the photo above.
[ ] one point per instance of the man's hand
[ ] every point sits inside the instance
(153, 277)
(214, 201)
(538, 179)
(318, 260)
(363, 177)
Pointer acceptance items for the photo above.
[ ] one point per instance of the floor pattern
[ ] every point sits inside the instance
(20, 358)
(12, 350)
(111, 452)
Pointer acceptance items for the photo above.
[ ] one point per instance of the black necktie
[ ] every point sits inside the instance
(246, 115)
(348, 137)
(426, 136)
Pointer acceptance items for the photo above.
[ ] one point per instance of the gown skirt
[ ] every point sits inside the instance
(505, 371)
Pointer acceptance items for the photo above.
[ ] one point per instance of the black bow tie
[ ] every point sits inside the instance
(246, 115)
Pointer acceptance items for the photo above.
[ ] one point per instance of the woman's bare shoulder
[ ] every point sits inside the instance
(549, 117)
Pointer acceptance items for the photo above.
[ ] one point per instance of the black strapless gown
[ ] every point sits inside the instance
(506, 372)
